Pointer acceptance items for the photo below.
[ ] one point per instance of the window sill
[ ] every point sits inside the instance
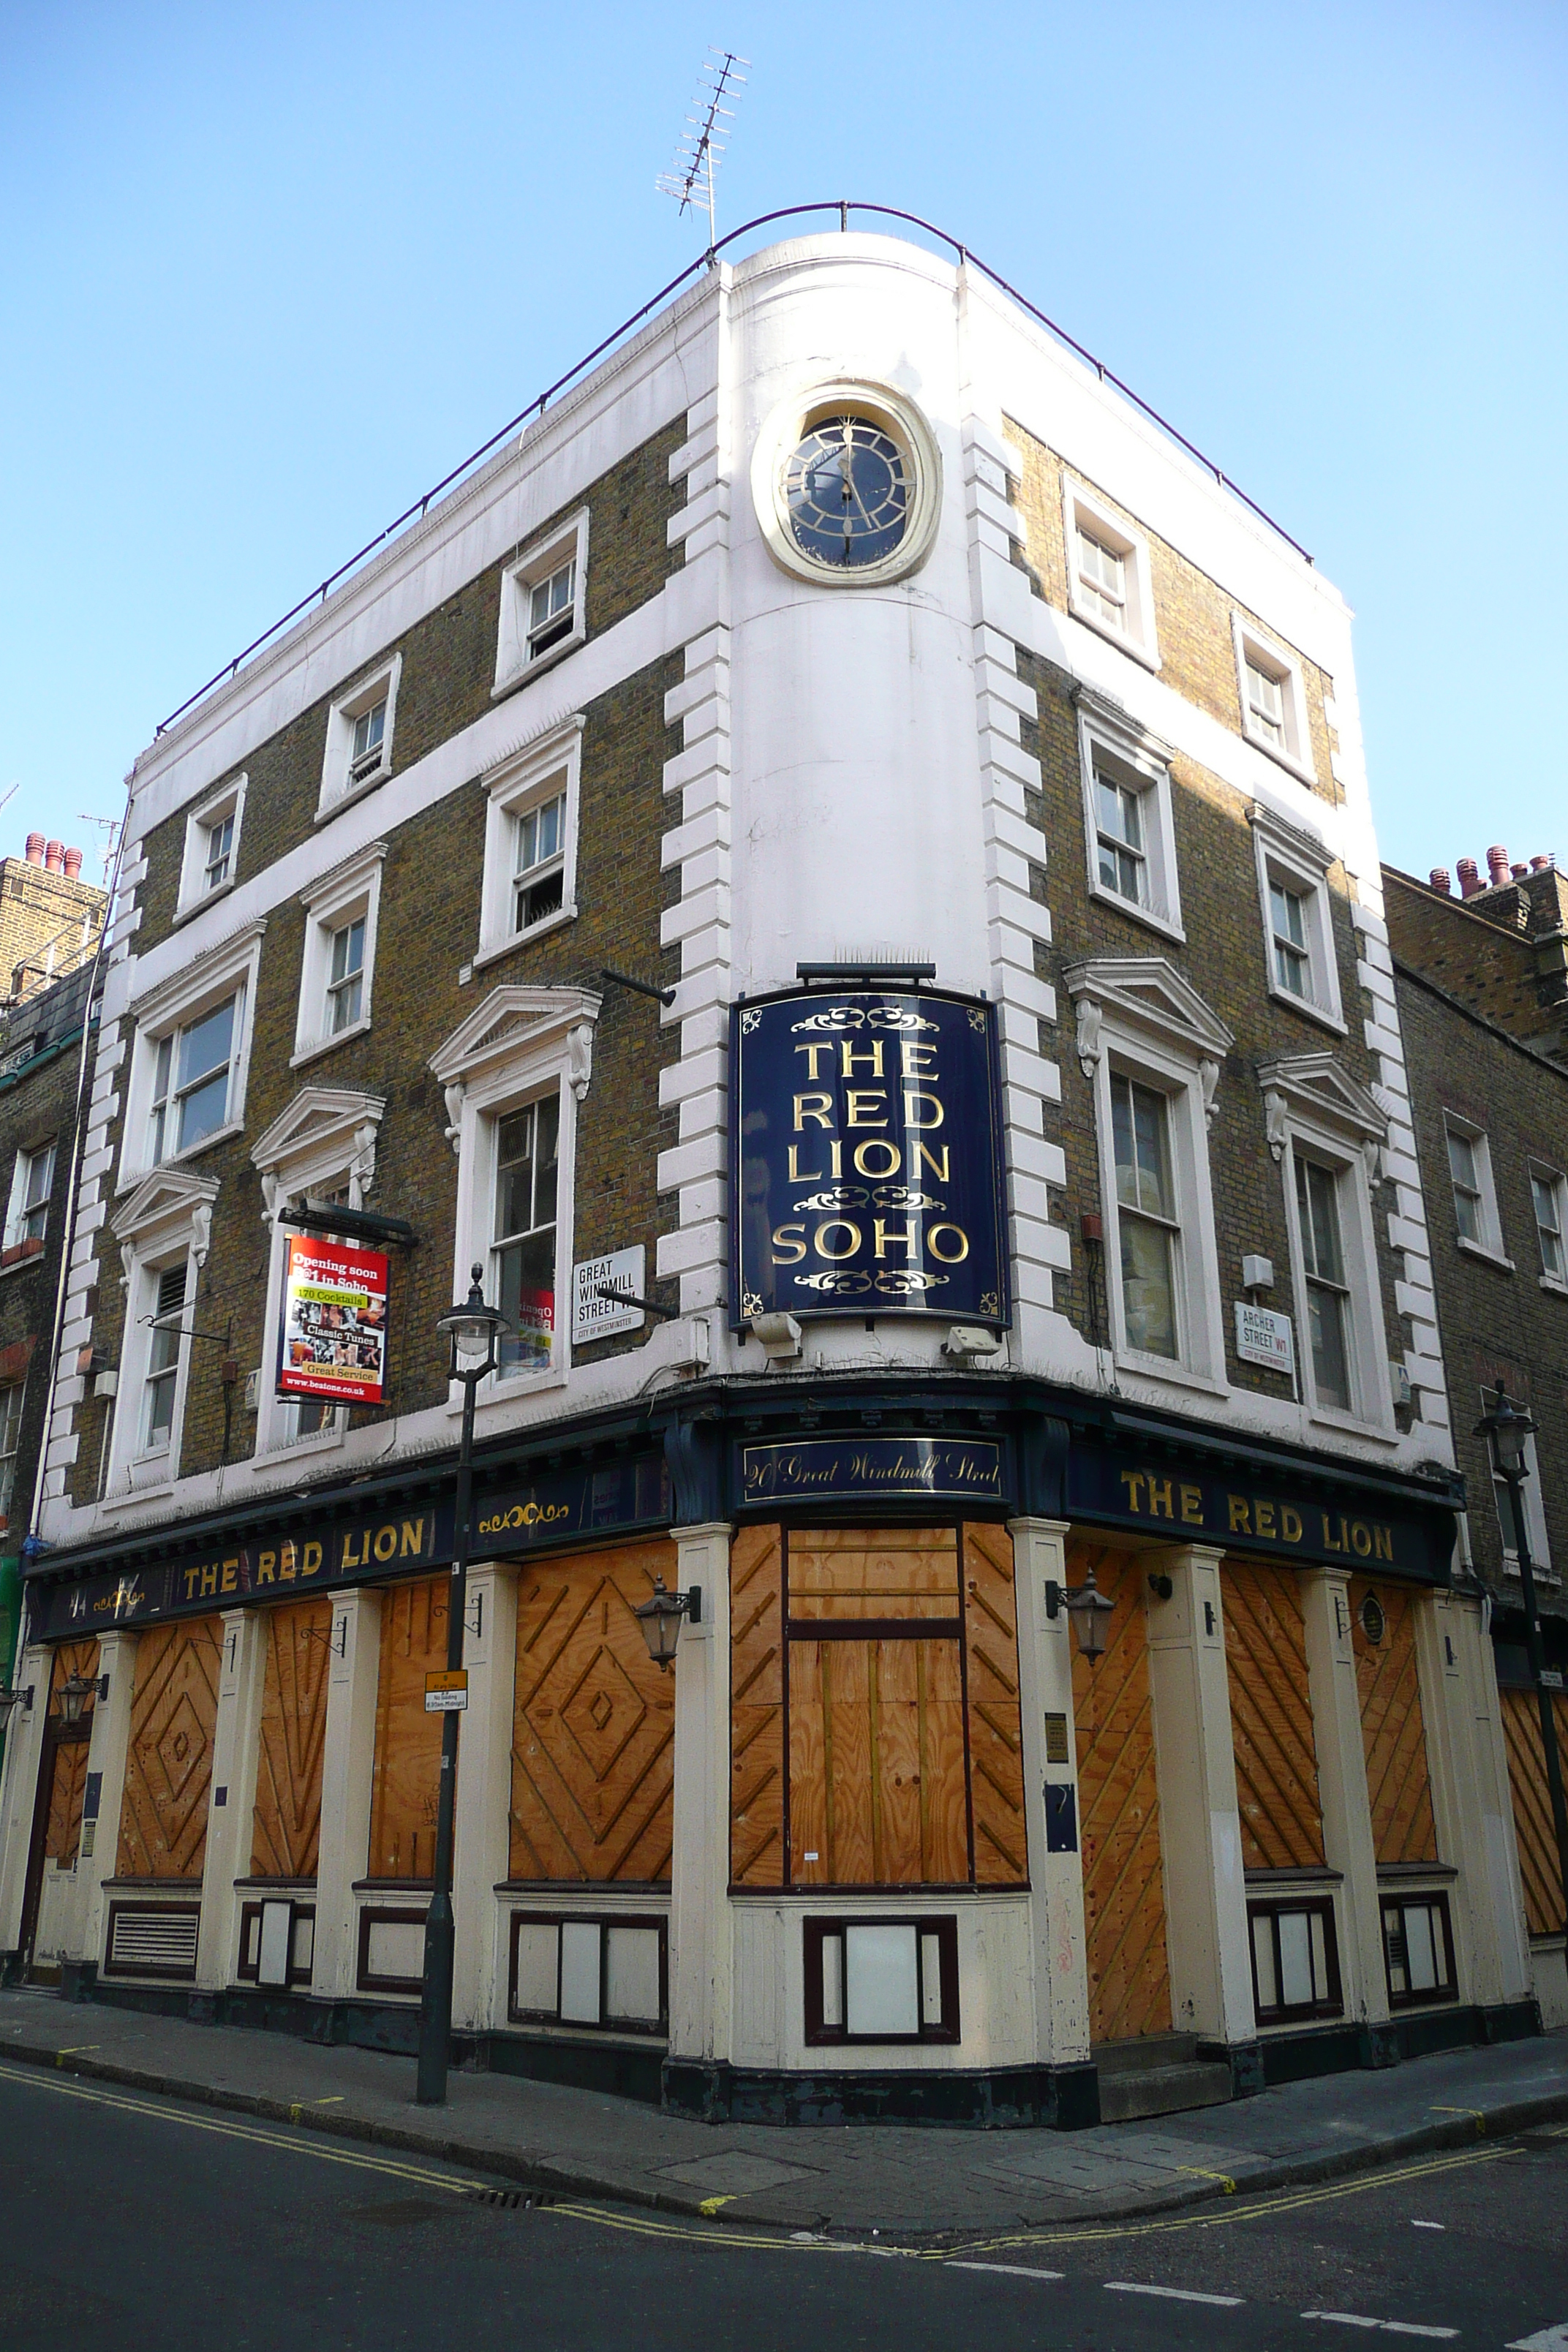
(193, 907)
(1558, 1289)
(340, 801)
(507, 1391)
(1326, 1417)
(527, 670)
(1308, 1009)
(1123, 643)
(321, 1440)
(19, 1265)
(1160, 1368)
(1149, 917)
(124, 1497)
(1292, 766)
(493, 950)
(129, 1178)
(1487, 1256)
(313, 1052)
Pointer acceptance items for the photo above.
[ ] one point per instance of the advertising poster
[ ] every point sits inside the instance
(335, 1322)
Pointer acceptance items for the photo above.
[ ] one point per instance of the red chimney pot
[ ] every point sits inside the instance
(35, 849)
(54, 857)
(73, 864)
(1469, 879)
(1440, 881)
(1540, 865)
(1497, 864)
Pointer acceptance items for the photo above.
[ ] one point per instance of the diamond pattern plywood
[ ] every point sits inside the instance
(1394, 1733)
(756, 1710)
(593, 1731)
(168, 1765)
(1124, 1876)
(406, 1779)
(1271, 1719)
(287, 1814)
(1538, 1864)
(63, 1836)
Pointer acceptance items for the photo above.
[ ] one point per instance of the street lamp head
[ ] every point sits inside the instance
(473, 1328)
(1505, 1429)
(660, 1617)
(73, 1695)
(1091, 1610)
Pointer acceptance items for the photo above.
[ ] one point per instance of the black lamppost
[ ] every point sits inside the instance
(1505, 1430)
(473, 1329)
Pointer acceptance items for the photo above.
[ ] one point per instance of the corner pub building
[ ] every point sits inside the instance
(1022, 1174)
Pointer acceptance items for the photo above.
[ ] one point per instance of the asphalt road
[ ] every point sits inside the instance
(138, 2223)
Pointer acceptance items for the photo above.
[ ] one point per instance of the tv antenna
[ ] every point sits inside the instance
(689, 179)
(109, 828)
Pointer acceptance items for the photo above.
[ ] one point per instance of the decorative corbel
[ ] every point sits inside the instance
(362, 1165)
(1088, 1023)
(270, 1201)
(1371, 1153)
(1208, 1077)
(1275, 1123)
(201, 1231)
(580, 1057)
(455, 1118)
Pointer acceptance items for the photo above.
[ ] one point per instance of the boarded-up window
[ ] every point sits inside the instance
(593, 1750)
(68, 1785)
(287, 1814)
(1399, 1785)
(1538, 1867)
(406, 1777)
(1119, 1809)
(1271, 1719)
(169, 1759)
(856, 1654)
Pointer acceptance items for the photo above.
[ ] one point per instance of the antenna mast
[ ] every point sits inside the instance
(109, 828)
(691, 176)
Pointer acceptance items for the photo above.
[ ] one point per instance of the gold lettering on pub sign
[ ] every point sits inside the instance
(1150, 1495)
(888, 1115)
(290, 1561)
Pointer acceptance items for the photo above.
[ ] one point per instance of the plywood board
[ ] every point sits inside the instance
(592, 1759)
(1118, 1812)
(407, 1775)
(1271, 1718)
(1394, 1733)
(756, 1708)
(169, 1759)
(877, 1776)
(68, 1785)
(995, 1728)
(874, 1572)
(1538, 1867)
(286, 1818)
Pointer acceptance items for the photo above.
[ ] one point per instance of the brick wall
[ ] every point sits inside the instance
(35, 907)
(1500, 954)
(36, 1104)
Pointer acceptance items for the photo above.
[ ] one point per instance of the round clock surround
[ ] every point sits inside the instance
(847, 482)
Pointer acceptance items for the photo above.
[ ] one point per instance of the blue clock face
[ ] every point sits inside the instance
(847, 491)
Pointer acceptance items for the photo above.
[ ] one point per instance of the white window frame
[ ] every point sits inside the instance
(1141, 1020)
(517, 1046)
(10, 1442)
(17, 1211)
(1332, 1119)
(348, 893)
(1083, 513)
(536, 772)
(1490, 1245)
(174, 1003)
(1132, 757)
(1540, 1172)
(1266, 654)
(167, 1222)
(325, 1141)
(1296, 859)
(567, 542)
(339, 786)
(195, 891)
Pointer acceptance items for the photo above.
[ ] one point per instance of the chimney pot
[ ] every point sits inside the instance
(1440, 881)
(1519, 872)
(73, 864)
(1497, 864)
(1469, 879)
(1540, 865)
(54, 857)
(35, 849)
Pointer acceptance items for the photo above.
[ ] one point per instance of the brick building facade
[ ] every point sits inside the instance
(969, 735)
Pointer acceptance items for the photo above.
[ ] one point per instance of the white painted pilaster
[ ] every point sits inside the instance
(235, 1739)
(24, 1749)
(107, 1753)
(348, 1758)
(1056, 1880)
(1200, 1825)
(1471, 1803)
(701, 1957)
(1342, 1789)
(482, 1851)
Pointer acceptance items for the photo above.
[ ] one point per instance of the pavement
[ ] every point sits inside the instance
(926, 2183)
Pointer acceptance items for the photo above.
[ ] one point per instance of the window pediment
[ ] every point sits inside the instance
(1314, 1087)
(1146, 993)
(334, 1125)
(517, 1024)
(161, 1204)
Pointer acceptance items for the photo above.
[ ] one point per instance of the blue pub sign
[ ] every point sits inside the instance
(865, 1157)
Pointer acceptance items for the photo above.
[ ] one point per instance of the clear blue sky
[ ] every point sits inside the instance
(268, 272)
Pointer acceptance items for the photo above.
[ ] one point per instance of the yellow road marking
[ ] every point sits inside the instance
(258, 2134)
(77, 2050)
(710, 2205)
(1478, 2113)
